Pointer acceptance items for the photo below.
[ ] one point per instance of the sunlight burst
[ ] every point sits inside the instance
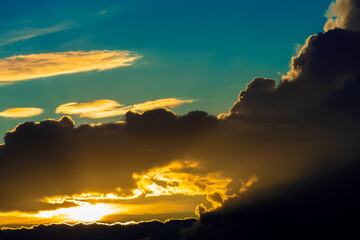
(85, 213)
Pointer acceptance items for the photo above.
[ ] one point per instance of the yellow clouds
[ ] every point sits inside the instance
(180, 178)
(89, 109)
(21, 112)
(104, 108)
(25, 67)
(181, 187)
(160, 184)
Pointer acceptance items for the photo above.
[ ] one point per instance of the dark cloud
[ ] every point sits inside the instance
(325, 67)
(55, 158)
(276, 131)
(300, 137)
(320, 207)
(147, 230)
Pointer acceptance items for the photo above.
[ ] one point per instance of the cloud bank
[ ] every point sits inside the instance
(105, 108)
(21, 112)
(281, 133)
(300, 137)
(26, 67)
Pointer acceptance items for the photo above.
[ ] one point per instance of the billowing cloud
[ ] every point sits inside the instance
(343, 14)
(25, 67)
(21, 112)
(298, 140)
(104, 108)
(326, 66)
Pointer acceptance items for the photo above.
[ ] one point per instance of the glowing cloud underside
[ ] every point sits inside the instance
(177, 178)
(107, 108)
(25, 67)
(21, 112)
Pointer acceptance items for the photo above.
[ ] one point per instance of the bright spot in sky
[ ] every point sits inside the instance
(85, 213)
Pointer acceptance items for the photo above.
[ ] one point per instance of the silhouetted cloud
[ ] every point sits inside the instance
(326, 64)
(25, 67)
(105, 108)
(300, 137)
(21, 112)
(320, 207)
(146, 230)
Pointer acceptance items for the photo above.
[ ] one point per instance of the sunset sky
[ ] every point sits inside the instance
(206, 51)
(125, 111)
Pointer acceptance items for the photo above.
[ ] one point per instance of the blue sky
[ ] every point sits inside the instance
(206, 50)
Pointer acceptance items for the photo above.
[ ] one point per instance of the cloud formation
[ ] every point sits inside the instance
(27, 33)
(105, 108)
(26, 67)
(343, 14)
(21, 112)
(89, 109)
(300, 137)
(326, 67)
(169, 230)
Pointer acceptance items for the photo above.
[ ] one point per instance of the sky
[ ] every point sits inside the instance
(206, 51)
(179, 119)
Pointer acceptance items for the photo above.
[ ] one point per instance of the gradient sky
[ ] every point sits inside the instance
(202, 50)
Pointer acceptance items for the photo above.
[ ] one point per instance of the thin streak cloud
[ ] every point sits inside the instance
(27, 33)
(21, 112)
(104, 108)
(26, 67)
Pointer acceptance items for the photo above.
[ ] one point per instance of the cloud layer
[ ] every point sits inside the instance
(26, 67)
(105, 108)
(300, 137)
(21, 112)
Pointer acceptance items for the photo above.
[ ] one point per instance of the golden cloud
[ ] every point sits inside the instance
(25, 67)
(104, 108)
(152, 195)
(21, 112)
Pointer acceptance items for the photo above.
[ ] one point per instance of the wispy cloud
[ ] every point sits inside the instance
(21, 112)
(27, 33)
(88, 109)
(25, 67)
(104, 108)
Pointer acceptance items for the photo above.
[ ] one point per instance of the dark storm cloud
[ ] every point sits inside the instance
(300, 137)
(55, 158)
(326, 66)
(277, 132)
(146, 230)
(320, 207)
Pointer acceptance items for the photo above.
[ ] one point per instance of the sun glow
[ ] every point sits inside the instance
(84, 213)
(153, 187)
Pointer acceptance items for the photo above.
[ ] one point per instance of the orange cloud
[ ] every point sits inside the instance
(155, 194)
(104, 108)
(25, 67)
(21, 112)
